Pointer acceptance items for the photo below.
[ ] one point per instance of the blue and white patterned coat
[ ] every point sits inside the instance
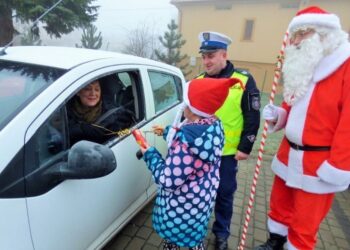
(187, 181)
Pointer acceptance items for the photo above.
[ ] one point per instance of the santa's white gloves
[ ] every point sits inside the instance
(270, 112)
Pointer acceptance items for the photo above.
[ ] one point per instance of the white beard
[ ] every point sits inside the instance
(299, 66)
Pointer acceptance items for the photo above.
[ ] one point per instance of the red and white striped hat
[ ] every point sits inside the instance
(316, 17)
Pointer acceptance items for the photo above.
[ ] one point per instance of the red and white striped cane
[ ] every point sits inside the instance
(262, 144)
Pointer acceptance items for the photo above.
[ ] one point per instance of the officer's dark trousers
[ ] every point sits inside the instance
(224, 198)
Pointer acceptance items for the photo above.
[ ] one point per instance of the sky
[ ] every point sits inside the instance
(117, 18)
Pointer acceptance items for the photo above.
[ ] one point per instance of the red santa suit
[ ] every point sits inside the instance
(305, 180)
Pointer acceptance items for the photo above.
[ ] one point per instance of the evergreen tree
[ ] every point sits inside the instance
(172, 42)
(64, 18)
(89, 39)
(29, 38)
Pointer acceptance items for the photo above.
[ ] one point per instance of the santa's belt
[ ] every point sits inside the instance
(308, 147)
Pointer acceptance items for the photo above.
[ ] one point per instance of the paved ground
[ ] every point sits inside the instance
(334, 233)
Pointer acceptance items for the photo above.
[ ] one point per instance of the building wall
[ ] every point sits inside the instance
(271, 21)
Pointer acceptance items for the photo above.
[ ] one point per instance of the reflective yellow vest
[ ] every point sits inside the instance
(231, 116)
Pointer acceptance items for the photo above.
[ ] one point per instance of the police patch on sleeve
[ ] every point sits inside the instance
(251, 138)
(254, 101)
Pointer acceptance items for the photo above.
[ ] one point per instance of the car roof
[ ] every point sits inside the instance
(69, 57)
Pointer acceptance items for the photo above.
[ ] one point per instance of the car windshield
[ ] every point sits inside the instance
(19, 84)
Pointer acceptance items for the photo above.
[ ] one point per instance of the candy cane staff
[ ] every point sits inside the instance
(275, 82)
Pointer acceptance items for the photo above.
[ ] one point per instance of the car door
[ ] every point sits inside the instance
(82, 214)
(165, 96)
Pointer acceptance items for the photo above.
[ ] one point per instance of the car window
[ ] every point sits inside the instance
(125, 78)
(119, 108)
(19, 83)
(48, 147)
(166, 89)
(47, 142)
(50, 139)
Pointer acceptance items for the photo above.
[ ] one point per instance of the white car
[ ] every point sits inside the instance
(53, 196)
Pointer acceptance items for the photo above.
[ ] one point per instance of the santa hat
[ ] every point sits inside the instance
(205, 96)
(315, 17)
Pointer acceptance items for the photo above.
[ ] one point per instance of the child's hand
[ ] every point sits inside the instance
(158, 130)
(143, 150)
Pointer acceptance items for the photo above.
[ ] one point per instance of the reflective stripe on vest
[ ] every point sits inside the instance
(231, 116)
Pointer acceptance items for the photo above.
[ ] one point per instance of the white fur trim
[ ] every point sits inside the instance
(330, 174)
(281, 121)
(295, 169)
(290, 246)
(312, 184)
(297, 116)
(323, 20)
(198, 112)
(276, 227)
(332, 62)
(193, 109)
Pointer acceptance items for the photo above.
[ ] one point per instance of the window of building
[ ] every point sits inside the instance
(248, 30)
(166, 90)
(223, 6)
(289, 5)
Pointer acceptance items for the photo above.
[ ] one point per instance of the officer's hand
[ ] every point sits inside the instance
(241, 156)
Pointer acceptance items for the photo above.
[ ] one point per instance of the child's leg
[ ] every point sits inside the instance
(198, 247)
(167, 245)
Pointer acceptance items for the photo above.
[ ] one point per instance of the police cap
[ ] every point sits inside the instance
(212, 41)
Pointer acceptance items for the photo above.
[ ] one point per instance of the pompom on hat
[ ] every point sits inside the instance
(315, 17)
(206, 95)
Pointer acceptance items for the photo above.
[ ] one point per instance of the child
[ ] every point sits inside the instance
(189, 176)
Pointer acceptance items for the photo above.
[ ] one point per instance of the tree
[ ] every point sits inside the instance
(29, 38)
(89, 39)
(141, 41)
(64, 18)
(172, 42)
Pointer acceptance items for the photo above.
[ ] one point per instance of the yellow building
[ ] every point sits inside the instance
(257, 28)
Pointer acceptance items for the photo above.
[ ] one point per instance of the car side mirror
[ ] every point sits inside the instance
(87, 160)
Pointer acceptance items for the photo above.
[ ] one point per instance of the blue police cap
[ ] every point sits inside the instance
(212, 41)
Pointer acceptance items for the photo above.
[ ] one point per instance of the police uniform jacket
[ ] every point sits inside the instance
(250, 105)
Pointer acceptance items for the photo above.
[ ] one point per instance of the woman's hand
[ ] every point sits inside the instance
(158, 130)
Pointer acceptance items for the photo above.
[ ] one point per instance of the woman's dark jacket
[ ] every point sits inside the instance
(112, 119)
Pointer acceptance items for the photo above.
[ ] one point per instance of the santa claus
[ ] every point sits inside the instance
(313, 160)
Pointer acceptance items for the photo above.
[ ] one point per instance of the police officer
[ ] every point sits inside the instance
(240, 116)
